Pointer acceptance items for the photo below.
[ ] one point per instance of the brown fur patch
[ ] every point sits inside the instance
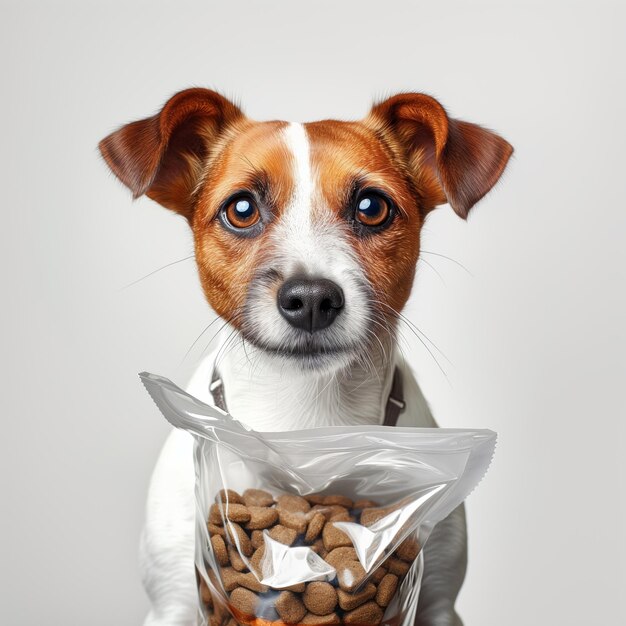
(253, 154)
(345, 152)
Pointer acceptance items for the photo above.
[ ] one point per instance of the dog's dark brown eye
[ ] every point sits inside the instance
(372, 209)
(242, 213)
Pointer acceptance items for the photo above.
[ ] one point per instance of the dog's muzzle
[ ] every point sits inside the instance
(310, 304)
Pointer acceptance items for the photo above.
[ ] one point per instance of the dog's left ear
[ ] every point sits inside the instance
(449, 160)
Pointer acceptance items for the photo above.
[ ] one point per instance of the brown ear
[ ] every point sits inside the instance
(450, 161)
(163, 155)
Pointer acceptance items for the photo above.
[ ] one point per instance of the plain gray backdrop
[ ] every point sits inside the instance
(530, 312)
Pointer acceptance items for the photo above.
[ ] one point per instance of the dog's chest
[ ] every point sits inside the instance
(267, 399)
(291, 402)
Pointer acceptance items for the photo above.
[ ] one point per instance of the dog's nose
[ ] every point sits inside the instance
(310, 304)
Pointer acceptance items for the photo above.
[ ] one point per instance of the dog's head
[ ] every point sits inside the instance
(307, 235)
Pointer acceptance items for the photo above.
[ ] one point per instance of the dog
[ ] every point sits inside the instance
(306, 241)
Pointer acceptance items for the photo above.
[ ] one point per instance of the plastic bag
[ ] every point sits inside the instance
(317, 526)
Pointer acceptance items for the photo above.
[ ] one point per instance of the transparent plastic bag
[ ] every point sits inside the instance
(318, 526)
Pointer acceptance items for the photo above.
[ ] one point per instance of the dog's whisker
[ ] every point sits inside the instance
(225, 323)
(187, 258)
(415, 329)
(191, 347)
(424, 344)
(433, 268)
(443, 256)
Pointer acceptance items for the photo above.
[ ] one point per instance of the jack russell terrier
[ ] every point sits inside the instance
(306, 240)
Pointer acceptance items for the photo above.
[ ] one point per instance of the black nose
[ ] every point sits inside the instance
(310, 304)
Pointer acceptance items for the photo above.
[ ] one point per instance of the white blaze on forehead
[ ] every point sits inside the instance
(299, 209)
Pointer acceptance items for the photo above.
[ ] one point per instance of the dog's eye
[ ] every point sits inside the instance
(372, 209)
(242, 213)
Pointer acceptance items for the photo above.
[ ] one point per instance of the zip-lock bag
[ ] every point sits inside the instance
(320, 526)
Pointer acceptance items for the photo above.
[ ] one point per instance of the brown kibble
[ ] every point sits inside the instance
(261, 517)
(408, 550)
(256, 538)
(368, 613)
(341, 516)
(283, 534)
(237, 512)
(233, 512)
(397, 566)
(293, 503)
(320, 598)
(334, 538)
(332, 511)
(257, 497)
(386, 589)
(235, 559)
(371, 516)
(297, 588)
(230, 578)
(237, 536)
(314, 498)
(255, 561)
(215, 515)
(349, 601)
(295, 520)
(340, 500)
(219, 550)
(228, 495)
(214, 529)
(365, 504)
(378, 574)
(319, 548)
(250, 581)
(316, 524)
(350, 575)
(321, 620)
(290, 607)
(205, 593)
(341, 555)
(244, 600)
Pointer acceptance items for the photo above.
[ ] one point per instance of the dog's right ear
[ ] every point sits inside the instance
(163, 156)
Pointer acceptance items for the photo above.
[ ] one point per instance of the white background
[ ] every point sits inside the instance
(534, 328)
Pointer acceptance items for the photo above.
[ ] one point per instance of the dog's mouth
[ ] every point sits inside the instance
(308, 350)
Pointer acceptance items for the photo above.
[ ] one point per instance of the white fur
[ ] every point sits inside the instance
(269, 392)
(303, 245)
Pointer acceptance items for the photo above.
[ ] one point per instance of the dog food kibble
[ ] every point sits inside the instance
(296, 520)
(349, 601)
(238, 526)
(408, 550)
(315, 526)
(283, 534)
(235, 559)
(368, 613)
(219, 549)
(237, 536)
(386, 589)
(256, 538)
(228, 495)
(244, 600)
(257, 497)
(261, 517)
(334, 537)
(320, 598)
(293, 503)
(290, 607)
